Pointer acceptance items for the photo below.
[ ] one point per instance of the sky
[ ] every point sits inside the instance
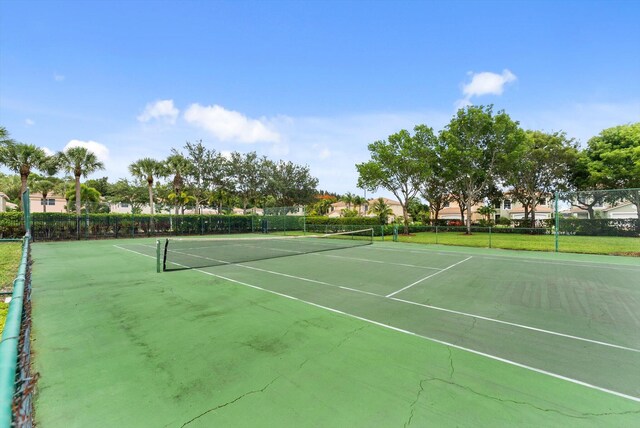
(311, 82)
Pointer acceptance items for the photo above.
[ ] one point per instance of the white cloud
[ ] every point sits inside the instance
(162, 110)
(488, 83)
(58, 77)
(100, 150)
(485, 83)
(322, 152)
(228, 125)
(48, 151)
(29, 122)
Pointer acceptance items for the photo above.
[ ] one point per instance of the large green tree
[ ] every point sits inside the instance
(80, 162)
(291, 184)
(537, 167)
(398, 165)
(208, 172)
(249, 176)
(133, 194)
(612, 159)
(470, 149)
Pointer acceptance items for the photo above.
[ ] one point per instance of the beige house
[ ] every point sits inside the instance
(4, 202)
(337, 209)
(620, 210)
(54, 203)
(506, 207)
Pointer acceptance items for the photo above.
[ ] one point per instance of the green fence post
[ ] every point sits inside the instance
(489, 236)
(436, 233)
(395, 233)
(557, 219)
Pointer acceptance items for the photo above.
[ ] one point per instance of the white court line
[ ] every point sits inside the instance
(426, 277)
(462, 348)
(540, 330)
(437, 308)
(136, 252)
(375, 261)
(598, 265)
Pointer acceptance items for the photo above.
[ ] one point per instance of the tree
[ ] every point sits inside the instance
(398, 165)
(21, 159)
(10, 185)
(486, 211)
(612, 159)
(89, 195)
(470, 148)
(45, 187)
(101, 185)
(249, 177)
(208, 171)
(321, 207)
(537, 166)
(147, 169)
(348, 199)
(80, 162)
(133, 194)
(291, 184)
(180, 200)
(358, 202)
(382, 210)
(178, 166)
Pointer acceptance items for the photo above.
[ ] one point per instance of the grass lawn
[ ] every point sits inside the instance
(512, 241)
(10, 253)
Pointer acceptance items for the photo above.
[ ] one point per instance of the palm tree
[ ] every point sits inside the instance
(177, 165)
(21, 158)
(81, 162)
(348, 199)
(146, 169)
(45, 187)
(359, 201)
(382, 210)
(181, 200)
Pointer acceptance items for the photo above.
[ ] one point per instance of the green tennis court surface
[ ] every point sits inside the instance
(388, 334)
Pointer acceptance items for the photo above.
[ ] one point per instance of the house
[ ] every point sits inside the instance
(619, 210)
(506, 207)
(125, 208)
(53, 204)
(4, 202)
(337, 208)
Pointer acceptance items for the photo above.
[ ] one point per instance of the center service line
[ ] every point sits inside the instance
(426, 277)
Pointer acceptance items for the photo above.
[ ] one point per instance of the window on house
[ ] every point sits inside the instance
(496, 205)
(445, 205)
(47, 201)
(507, 204)
(542, 201)
(124, 205)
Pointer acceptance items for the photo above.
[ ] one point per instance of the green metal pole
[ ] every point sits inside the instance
(557, 219)
(436, 234)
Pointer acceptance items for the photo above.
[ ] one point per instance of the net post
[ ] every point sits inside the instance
(395, 233)
(557, 219)
(436, 233)
(158, 252)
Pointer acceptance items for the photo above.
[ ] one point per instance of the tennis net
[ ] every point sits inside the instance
(181, 254)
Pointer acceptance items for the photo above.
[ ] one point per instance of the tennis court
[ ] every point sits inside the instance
(387, 334)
